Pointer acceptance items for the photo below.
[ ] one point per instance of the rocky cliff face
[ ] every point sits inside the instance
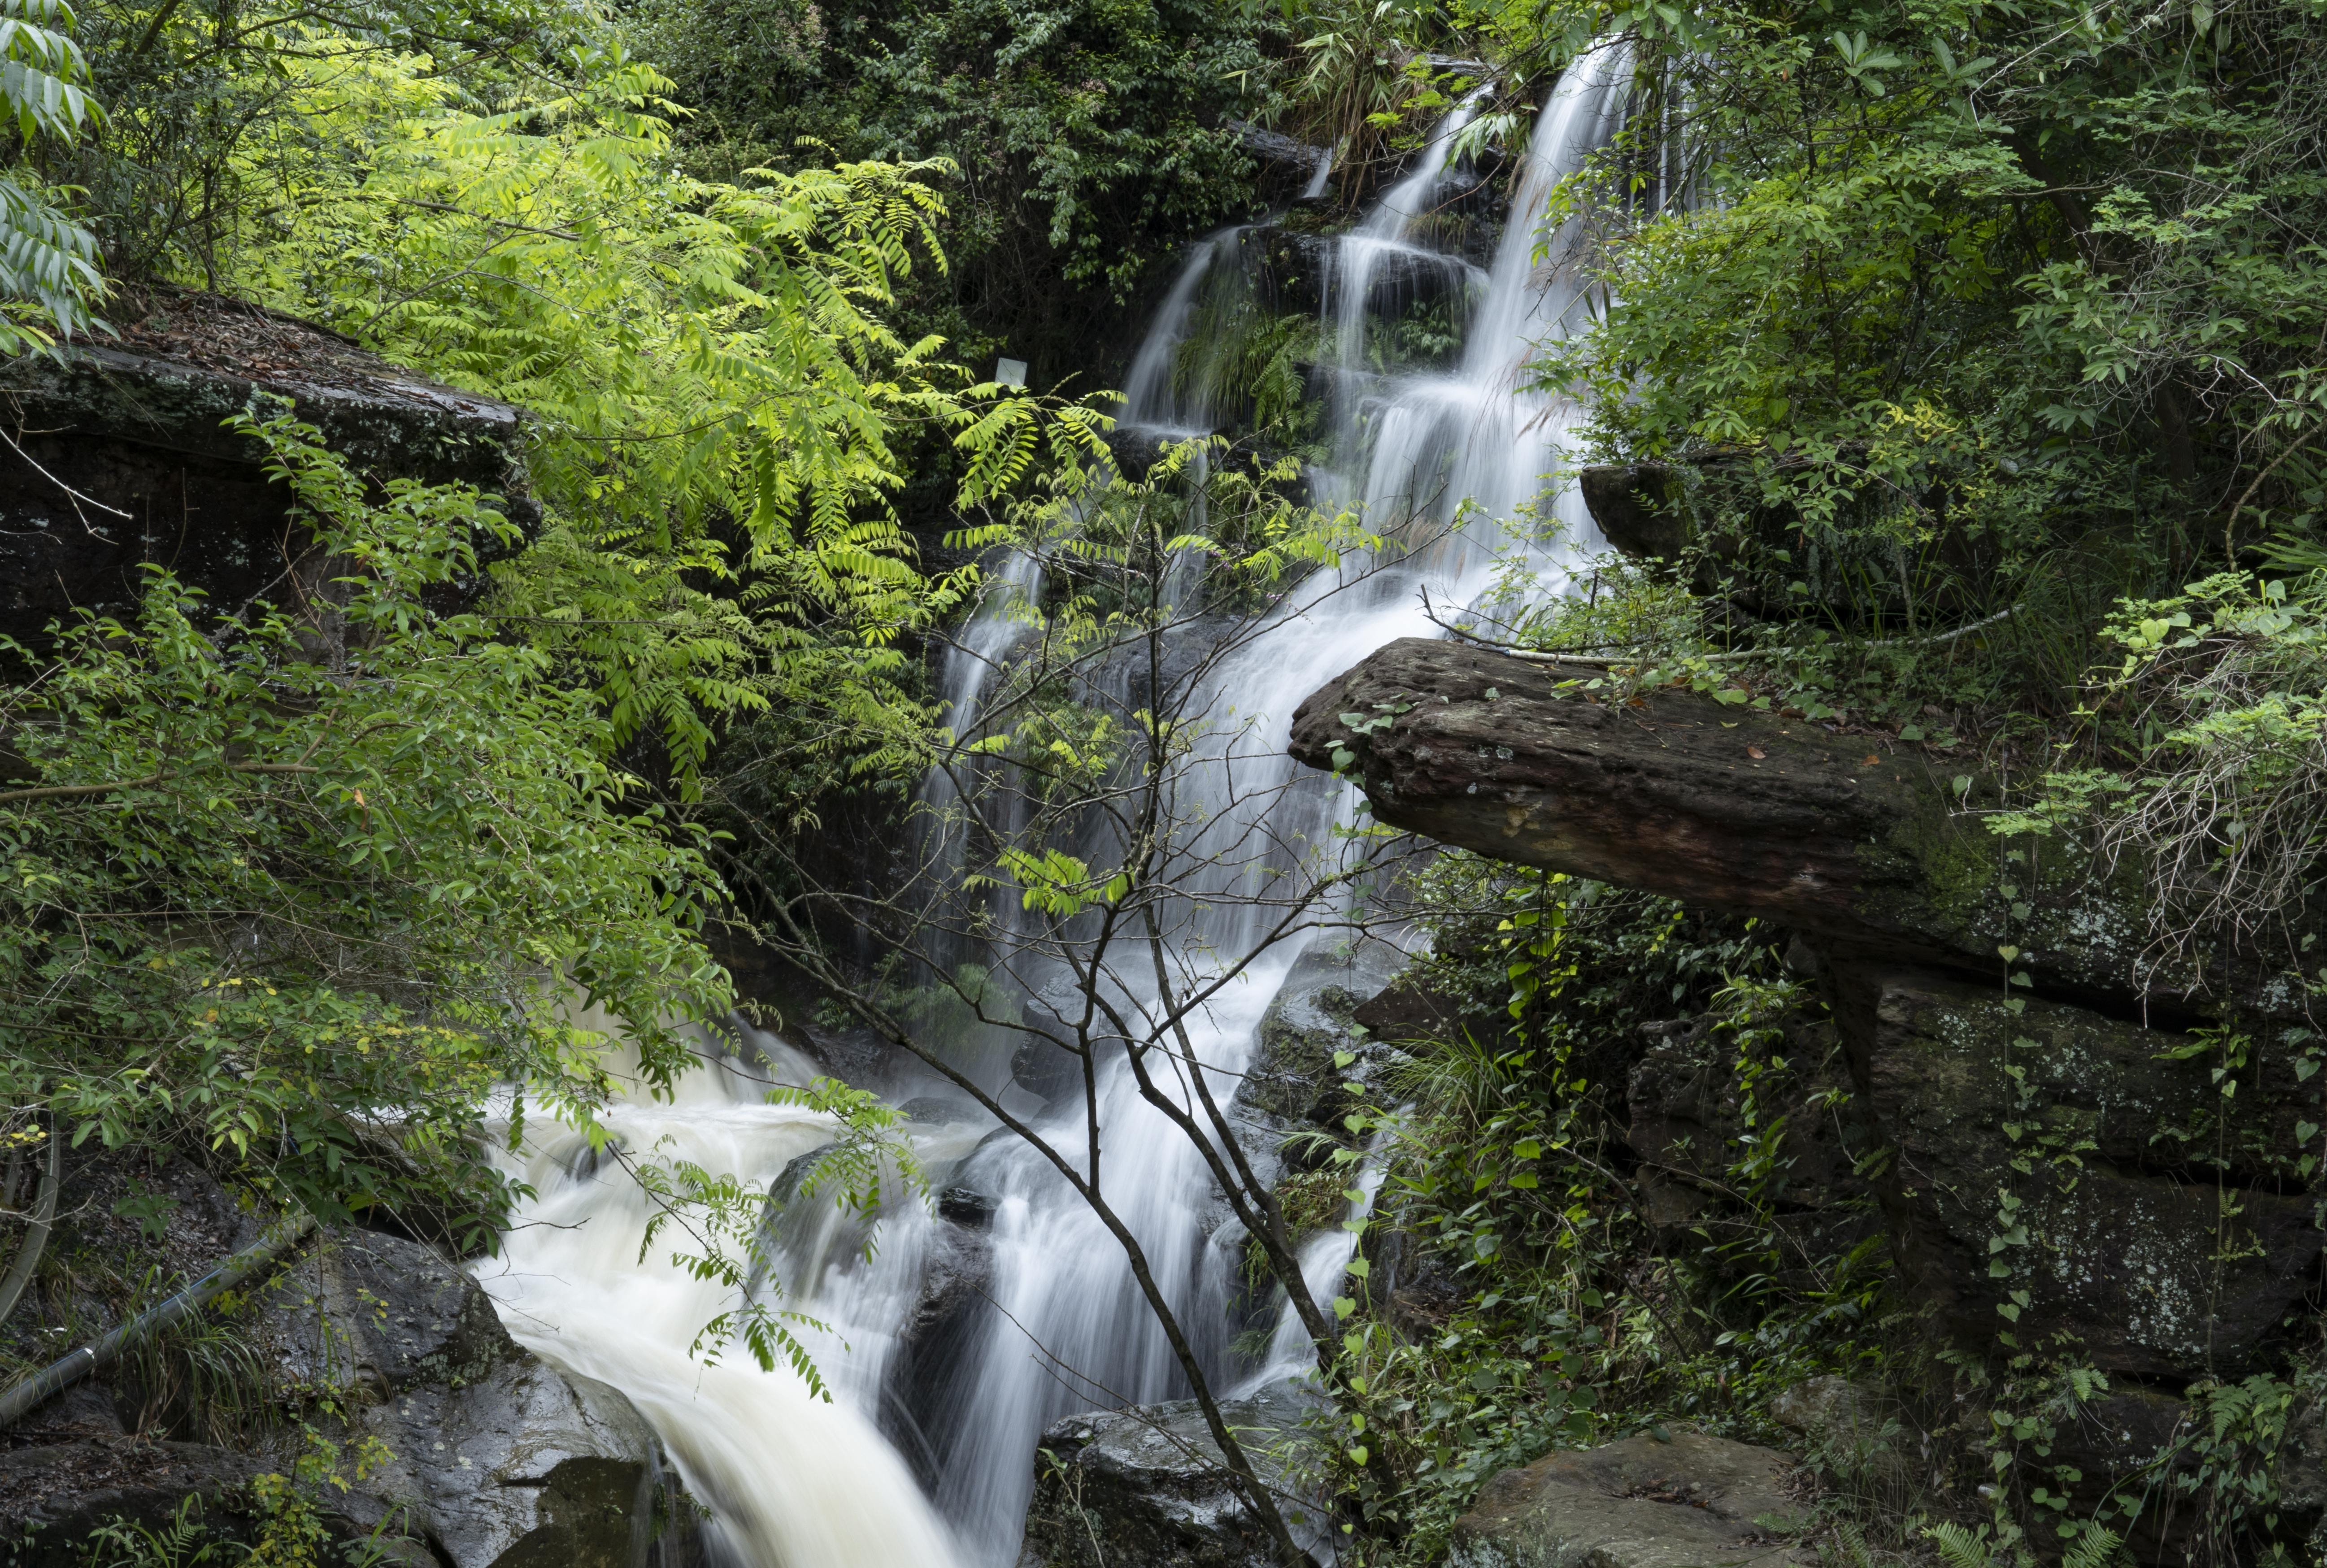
(2059, 1139)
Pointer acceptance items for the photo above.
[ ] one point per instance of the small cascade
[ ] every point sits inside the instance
(1002, 619)
(999, 623)
(1412, 198)
(791, 1482)
(1316, 186)
(1153, 398)
(1324, 1261)
(926, 1454)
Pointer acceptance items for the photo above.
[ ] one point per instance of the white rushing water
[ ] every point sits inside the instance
(925, 1454)
(793, 1481)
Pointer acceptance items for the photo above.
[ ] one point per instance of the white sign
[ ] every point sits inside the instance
(1010, 372)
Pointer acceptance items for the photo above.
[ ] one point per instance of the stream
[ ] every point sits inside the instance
(924, 1453)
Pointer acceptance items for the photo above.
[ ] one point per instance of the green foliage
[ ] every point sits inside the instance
(1960, 1547)
(193, 85)
(298, 896)
(1365, 87)
(200, 1381)
(2210, 745)
(721, 411)
(689, 348)
(1087, 134)
(48, 271)
(1912, 379)
(185, 1541)
(1251, 364)
(1504, 1179)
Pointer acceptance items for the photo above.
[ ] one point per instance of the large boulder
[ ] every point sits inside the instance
(1641, 1503)
(527, 1467)
(498, 1457)
(1147, 1487)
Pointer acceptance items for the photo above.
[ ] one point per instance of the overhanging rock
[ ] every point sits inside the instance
(117, 456)
(2052, 1155)
(1867, 847)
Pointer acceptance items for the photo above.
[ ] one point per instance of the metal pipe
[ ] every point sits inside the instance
(75, 1365)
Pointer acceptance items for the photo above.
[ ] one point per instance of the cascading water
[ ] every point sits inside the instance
(1421, 447)
(926, 1458)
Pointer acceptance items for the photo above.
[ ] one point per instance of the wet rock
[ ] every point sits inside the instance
(1636, 1504)
(1146, 1486)
(795, 1172)
(1858, 1432)
(499, 1459)
(83, 1410)
(1642, 509)
(379, 1312)
(967, 1207)
(1288, 266)
(2059, 1160)
(955, 1275)
(1286, 162)
(526, 1467)
(937, 1109)
(1406, 1013)
(51, 1497)
(1043, 1070)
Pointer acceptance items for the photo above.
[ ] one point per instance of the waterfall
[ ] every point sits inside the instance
(1420, 446)
(925, 1455)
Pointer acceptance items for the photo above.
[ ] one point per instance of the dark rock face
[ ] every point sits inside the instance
(1640, 511)
(2091, 1155)
(1636, 1504)
(1285, 163)
(1665, 797)
(51, 1498)
(1147, 1487)
(499, 1458)
(1685, 1114)
(1039, 1068)
(121, 459)
(954, 1279)
(465, 1449)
